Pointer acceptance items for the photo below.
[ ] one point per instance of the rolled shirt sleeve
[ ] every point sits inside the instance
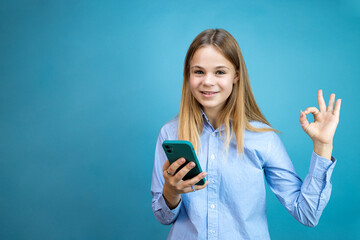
(162, 212)
(306, 200)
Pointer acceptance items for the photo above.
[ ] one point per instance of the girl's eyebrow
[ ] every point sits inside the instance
(196, 66)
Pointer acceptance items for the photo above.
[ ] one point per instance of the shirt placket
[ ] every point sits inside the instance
(212, 204)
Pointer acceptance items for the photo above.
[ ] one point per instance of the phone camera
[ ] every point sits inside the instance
(167, 146)
(169, 151)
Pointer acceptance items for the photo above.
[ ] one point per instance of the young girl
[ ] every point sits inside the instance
(236, 147)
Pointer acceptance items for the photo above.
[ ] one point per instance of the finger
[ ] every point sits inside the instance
(195, 179)
(175, 165)
(196, 187)
(303, 120)
(337, 107)
(199, 187)
(321, 101)
(331, 102)
(312, 110)
(166, 165)
(179, 176)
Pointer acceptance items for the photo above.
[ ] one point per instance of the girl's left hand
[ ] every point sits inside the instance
(323, 128)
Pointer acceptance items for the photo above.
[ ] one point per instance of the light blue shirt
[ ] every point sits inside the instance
(233, 205)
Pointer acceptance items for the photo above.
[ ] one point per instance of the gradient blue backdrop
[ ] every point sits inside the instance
(86, 85)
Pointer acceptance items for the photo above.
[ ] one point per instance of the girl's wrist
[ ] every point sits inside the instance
(172, 200)
(323, 150)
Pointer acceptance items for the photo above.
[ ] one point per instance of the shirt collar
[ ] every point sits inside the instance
(207, 122)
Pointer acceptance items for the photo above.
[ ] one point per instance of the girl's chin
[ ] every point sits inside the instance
(210, 107)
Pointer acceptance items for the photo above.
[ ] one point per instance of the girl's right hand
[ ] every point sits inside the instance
(174, 185)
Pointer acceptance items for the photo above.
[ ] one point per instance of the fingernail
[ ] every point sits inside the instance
(192, 164)
(182, 160)
(203, 174)
(306, 111)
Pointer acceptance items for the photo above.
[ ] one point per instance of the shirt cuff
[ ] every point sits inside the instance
(321, 167)
(168, 214)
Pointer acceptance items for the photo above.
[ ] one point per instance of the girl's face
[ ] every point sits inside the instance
(211, 79)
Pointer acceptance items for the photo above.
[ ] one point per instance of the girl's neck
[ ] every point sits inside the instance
(212, 116)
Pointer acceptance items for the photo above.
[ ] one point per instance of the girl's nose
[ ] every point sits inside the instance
(209, 79)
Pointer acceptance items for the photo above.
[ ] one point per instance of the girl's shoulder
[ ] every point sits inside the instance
(259, 142)
(260, 136)
(258, 124)
(169, 129)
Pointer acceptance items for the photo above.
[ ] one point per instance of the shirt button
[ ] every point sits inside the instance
(212, 156)
(212, 206)
(213, 134)
(212, 181)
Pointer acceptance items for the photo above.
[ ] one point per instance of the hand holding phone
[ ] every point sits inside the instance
(177, 149)
(182, 171)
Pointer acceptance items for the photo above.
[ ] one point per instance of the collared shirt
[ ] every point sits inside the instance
(233, 205)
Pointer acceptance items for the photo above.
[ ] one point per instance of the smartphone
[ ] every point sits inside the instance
(179, 148)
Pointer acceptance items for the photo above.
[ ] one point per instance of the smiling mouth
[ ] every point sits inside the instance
(208, 93)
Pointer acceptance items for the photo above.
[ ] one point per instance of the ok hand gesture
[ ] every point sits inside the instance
(322, 130)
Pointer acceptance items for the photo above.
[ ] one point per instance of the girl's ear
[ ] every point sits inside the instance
(236, 78)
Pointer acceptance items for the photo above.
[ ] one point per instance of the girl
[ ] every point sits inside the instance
(236, 147)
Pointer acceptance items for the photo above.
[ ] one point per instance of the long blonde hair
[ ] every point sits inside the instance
(240, 107)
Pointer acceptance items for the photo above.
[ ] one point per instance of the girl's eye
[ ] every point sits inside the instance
(201, 72)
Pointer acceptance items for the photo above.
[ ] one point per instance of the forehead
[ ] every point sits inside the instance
(209, 56)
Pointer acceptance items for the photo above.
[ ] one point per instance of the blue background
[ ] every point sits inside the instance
(86, 85)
